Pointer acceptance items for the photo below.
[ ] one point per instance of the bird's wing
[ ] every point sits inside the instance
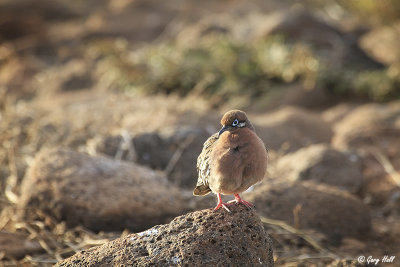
(203, 167)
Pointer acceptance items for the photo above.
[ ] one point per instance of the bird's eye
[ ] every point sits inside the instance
(235, 123)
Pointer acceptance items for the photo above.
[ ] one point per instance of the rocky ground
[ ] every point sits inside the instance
(105, 107)
(201, 238)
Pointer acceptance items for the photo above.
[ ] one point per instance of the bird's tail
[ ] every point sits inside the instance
(201, 190)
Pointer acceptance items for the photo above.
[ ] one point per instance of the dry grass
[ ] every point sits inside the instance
(55, 239)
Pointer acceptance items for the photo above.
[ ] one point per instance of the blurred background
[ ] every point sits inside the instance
(146, 82)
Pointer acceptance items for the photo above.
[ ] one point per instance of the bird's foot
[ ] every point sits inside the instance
(221, 205)
(239, 200)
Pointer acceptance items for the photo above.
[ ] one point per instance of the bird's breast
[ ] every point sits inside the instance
(233, 142)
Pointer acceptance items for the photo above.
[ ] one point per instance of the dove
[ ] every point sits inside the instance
(231, 160)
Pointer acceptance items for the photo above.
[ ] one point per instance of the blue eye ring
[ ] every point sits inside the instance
(235, 123)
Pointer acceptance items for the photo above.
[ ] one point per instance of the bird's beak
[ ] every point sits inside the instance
(223, 129)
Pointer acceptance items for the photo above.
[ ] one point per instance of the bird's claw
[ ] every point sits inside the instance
(239, 200)
(223, 205)
(244, 202)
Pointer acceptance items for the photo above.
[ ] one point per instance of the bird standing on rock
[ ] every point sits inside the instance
(232, 160)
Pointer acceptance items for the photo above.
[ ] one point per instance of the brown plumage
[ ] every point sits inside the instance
(232, 160)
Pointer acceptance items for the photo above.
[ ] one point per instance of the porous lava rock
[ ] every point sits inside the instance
(331, 211)
(201, 238)
(373, 130)
(174, 151)
(322, 164)
(370, 125)
(328, 41)
(291, 128)
(97, 192)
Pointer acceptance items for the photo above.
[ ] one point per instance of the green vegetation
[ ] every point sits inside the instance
(376, 85)
(224, 69)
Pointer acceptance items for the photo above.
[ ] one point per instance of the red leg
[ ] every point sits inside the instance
(220, 204)
(238, 200)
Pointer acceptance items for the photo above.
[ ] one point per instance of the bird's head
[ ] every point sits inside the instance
(234, 120)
